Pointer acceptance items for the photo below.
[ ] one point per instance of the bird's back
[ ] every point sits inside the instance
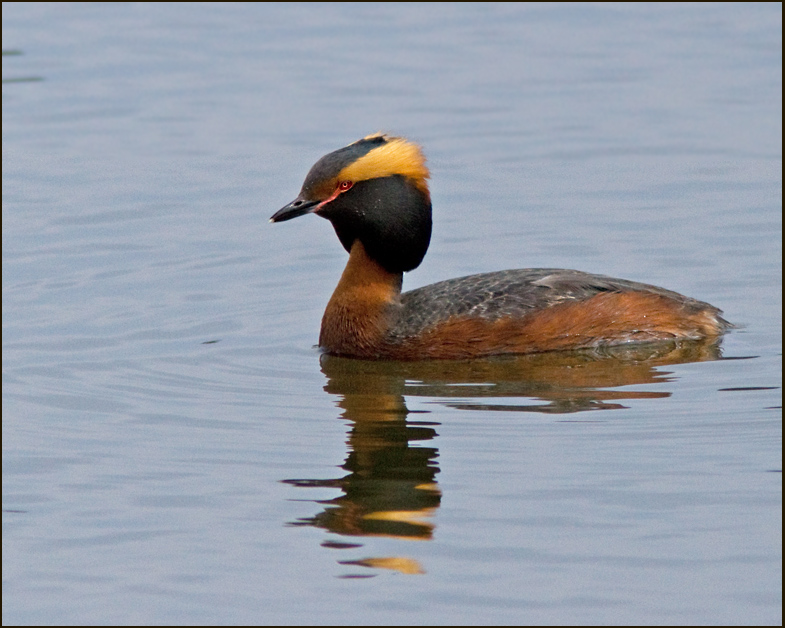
(525, 310)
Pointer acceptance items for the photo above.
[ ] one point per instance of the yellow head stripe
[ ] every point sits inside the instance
(396, 156)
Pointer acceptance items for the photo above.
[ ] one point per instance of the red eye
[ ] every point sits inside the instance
(345, 185)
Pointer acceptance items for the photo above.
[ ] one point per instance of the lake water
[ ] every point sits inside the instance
(175, 450)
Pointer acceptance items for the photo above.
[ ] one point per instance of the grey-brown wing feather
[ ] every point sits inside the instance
(511, 293)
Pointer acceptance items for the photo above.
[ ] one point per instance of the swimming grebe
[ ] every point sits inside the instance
(375, 194)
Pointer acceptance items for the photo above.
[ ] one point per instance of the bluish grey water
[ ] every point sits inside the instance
(175, 450)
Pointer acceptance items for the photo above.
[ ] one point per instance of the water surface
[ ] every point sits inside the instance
(176, 451)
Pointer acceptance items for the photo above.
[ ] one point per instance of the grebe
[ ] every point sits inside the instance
(375, 193)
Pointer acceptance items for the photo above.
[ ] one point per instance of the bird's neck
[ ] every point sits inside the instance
(362, 308)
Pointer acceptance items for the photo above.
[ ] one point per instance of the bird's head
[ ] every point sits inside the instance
(374, 190)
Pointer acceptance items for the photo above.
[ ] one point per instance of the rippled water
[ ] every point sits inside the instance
(176, 451)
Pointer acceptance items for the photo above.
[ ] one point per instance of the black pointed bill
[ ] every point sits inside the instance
(298, 207)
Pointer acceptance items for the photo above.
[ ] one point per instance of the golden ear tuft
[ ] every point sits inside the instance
(396, 156)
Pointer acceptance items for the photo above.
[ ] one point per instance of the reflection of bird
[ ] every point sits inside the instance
(375, 194)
